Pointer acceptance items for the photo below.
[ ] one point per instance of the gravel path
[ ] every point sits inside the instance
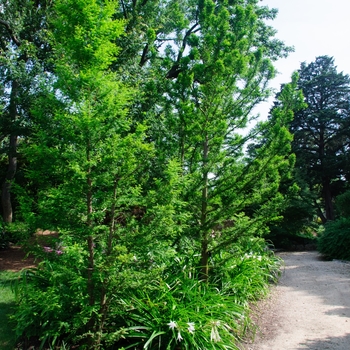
(309, 308)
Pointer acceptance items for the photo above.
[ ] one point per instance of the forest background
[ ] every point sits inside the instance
(124, 131)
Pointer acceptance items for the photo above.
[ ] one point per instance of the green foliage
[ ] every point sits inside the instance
(24, 50)
(140, 168)
(18, 232)
(334, 242)
(246, 269)
(54, 298)
(182, 312)
(321, 132)
(147, 310)
(341, 204)
(7, 305)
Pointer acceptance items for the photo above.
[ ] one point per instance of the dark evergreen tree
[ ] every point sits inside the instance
(321, 132)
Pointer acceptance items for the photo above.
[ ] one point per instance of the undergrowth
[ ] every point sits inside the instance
(172, 310)
(334, 242)
(7, 304)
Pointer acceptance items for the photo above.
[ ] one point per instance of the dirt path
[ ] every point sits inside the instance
(15, 259)
(309, 308)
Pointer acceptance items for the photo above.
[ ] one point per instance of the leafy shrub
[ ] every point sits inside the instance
(18, 231)
(168, 308)
(4, 239)
(335, 240)
(51, 300)
(13, 233)
(342, 204)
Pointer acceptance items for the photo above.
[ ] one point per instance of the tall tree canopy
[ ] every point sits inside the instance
(24, 54)
(206, 65)
(322, 132)
(137, 158)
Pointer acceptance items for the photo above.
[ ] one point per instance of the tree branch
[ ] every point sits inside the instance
(124, 10)
(10, 31)
(175, 69)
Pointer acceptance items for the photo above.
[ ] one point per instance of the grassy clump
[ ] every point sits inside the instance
(334, 242)
(173, 310)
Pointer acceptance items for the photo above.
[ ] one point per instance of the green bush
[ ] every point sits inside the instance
(334, 243)
(342, 204)
(18, 232)
(168, 308)
(181, 313)
(4, 239)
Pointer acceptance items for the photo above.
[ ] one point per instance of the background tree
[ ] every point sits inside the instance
(23, 50)
(321, 132)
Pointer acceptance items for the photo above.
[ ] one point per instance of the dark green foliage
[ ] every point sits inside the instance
(334, 243)
(4, 238)
(24, 58)
(342, 204)
(321, 132)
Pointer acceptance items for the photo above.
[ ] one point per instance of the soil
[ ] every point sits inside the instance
(15, 259)
(308, 309)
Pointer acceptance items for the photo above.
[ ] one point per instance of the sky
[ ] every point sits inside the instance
(314, 28)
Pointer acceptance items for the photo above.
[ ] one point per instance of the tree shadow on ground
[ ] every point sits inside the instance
(329, 343)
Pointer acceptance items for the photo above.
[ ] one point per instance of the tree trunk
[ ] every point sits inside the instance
(328, 200)
(91, 324)
(204, 230)
(109, 251)
(7, 211)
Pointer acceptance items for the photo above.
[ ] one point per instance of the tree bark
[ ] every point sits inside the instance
(328, 200)
(204, 243)
(7, 211)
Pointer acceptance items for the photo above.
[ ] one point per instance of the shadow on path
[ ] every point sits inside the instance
(329, 343)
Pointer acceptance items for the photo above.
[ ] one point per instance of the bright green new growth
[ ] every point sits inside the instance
(141, 169)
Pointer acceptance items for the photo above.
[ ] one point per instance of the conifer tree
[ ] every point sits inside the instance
(321, 132)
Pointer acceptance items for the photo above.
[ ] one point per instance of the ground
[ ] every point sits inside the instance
(15, 259)
(308, 309)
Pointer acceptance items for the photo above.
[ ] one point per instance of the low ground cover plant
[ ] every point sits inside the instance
(170, 309)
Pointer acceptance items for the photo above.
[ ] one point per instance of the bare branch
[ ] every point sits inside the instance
(124, 10)
(175, 69)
